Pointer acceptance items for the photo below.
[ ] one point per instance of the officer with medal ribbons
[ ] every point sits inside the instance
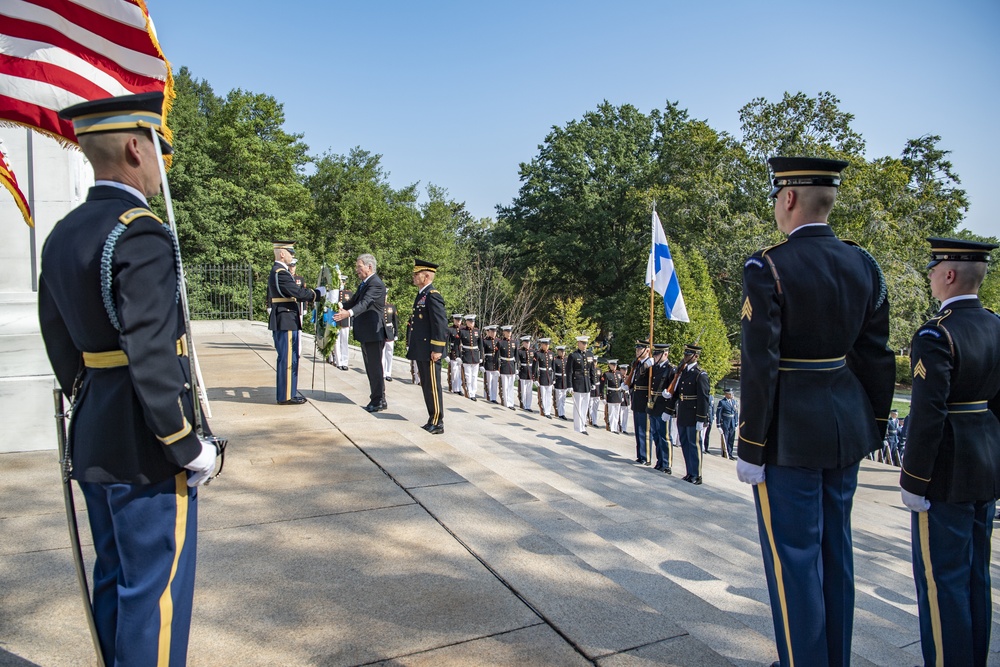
(951, 463)
(560, 382)
(491, 363)
(427, 333)
(471, 356)
(816, 388)
(285, 320)
(692, 409)
(507, 349)
(543, 362)
(113, 324)
(638, 382)
(525, 373)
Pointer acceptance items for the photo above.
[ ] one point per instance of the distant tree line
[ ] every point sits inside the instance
(570, 251)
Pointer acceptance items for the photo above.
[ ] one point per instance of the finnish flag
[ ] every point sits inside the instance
(661, 276)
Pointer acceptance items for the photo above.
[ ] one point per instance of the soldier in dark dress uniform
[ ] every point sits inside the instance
(663, 373)
(726, 415)
(427, 332)
(691, 396)
(580, 367)
(525, 373)
(455, 353)
(491, 363)
(611, 391)
(472, 356)
(626, 399)
(113, 327)
(543, 372)
(390, 322)
(816, 388)
(951, 465)
(508, 365)
(638, 383)
(285, 322)
(560, 381)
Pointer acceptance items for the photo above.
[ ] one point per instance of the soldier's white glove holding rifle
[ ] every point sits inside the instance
(749, 473)
(203, 465)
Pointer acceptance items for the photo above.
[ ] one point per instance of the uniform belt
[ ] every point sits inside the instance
(116, 358)
(616, 389)
(507, 358)
(559, 375)
(689, 398)
(282, 299)
(488, 354)
(470, 347)
(811, 364)
(971, 406)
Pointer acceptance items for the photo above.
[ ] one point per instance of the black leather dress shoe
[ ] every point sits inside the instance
(298, 400)
(658, 467)
(667, 470)
(687, 478)
(388, 379)
(696, 480)
(427, 426)
(473, 399)
(436, 429)
(640, 460)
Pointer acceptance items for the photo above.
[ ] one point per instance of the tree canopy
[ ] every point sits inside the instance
(568, 254)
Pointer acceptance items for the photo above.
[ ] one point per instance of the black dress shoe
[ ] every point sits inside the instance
(473, 399)
(667, 470)
(658, 467)
(696, 480)
(427, 426)
(436, 429)
(512, 407)
(343, 368)
(640, 460)
(298, 400)
(687, 478)
(388, 379)
(548, 416)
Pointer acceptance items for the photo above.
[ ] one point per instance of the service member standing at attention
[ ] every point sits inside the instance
(659, 419)
(638, 382)
(578, 367)
(951, 463)
(391, 323)
(626, 399)
(612, 390)
(726, 415)
(427, 332)
(560, 381)
(342, 348)
(525, 373)
(491, 363)
(815, 399)
(508, 365)
(285, 321)
(543, 373)
(455, 353)
(367, 310)
(113, 332)
(693, 411)
(472, 356)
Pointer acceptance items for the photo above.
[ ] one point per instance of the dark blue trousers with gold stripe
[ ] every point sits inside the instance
(430, 383)
(688, 435)
(804, 519)
(642, 442)
(661, 442)
(145, 539)
(951, 567)
(287, 345)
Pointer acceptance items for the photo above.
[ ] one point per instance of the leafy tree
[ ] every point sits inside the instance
(565, 323)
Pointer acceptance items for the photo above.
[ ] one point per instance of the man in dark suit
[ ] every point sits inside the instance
(951, 463)
(114, 332)
(816, 389)
(427, 335)
(285, 321)
(367, 309)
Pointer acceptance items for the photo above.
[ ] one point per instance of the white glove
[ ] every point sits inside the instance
(699, 427)
(647, 362)
(664, 416)
(748, 473)
(914, 502)
(321, 291)
(203, 465)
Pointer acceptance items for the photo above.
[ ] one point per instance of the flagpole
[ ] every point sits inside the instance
(649, 393)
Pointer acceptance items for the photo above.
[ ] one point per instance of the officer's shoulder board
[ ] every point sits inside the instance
(133, 214)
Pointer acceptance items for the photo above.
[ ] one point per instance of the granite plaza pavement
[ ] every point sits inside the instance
(336, 537)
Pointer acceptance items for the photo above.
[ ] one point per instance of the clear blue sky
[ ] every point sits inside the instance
(459, 93)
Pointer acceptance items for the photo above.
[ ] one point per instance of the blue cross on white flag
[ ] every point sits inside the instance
(661, 276)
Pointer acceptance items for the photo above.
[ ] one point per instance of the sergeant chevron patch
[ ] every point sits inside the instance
(747, 312)
(919, 371)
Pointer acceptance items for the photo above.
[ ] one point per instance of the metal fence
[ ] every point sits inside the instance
(220, 291)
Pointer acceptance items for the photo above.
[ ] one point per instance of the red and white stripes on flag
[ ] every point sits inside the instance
(8, 180)
(56, 53)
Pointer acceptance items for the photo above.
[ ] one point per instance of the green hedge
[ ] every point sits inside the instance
(903, 375)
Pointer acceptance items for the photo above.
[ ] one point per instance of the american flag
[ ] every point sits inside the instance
(56, 53)
(8, 180)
